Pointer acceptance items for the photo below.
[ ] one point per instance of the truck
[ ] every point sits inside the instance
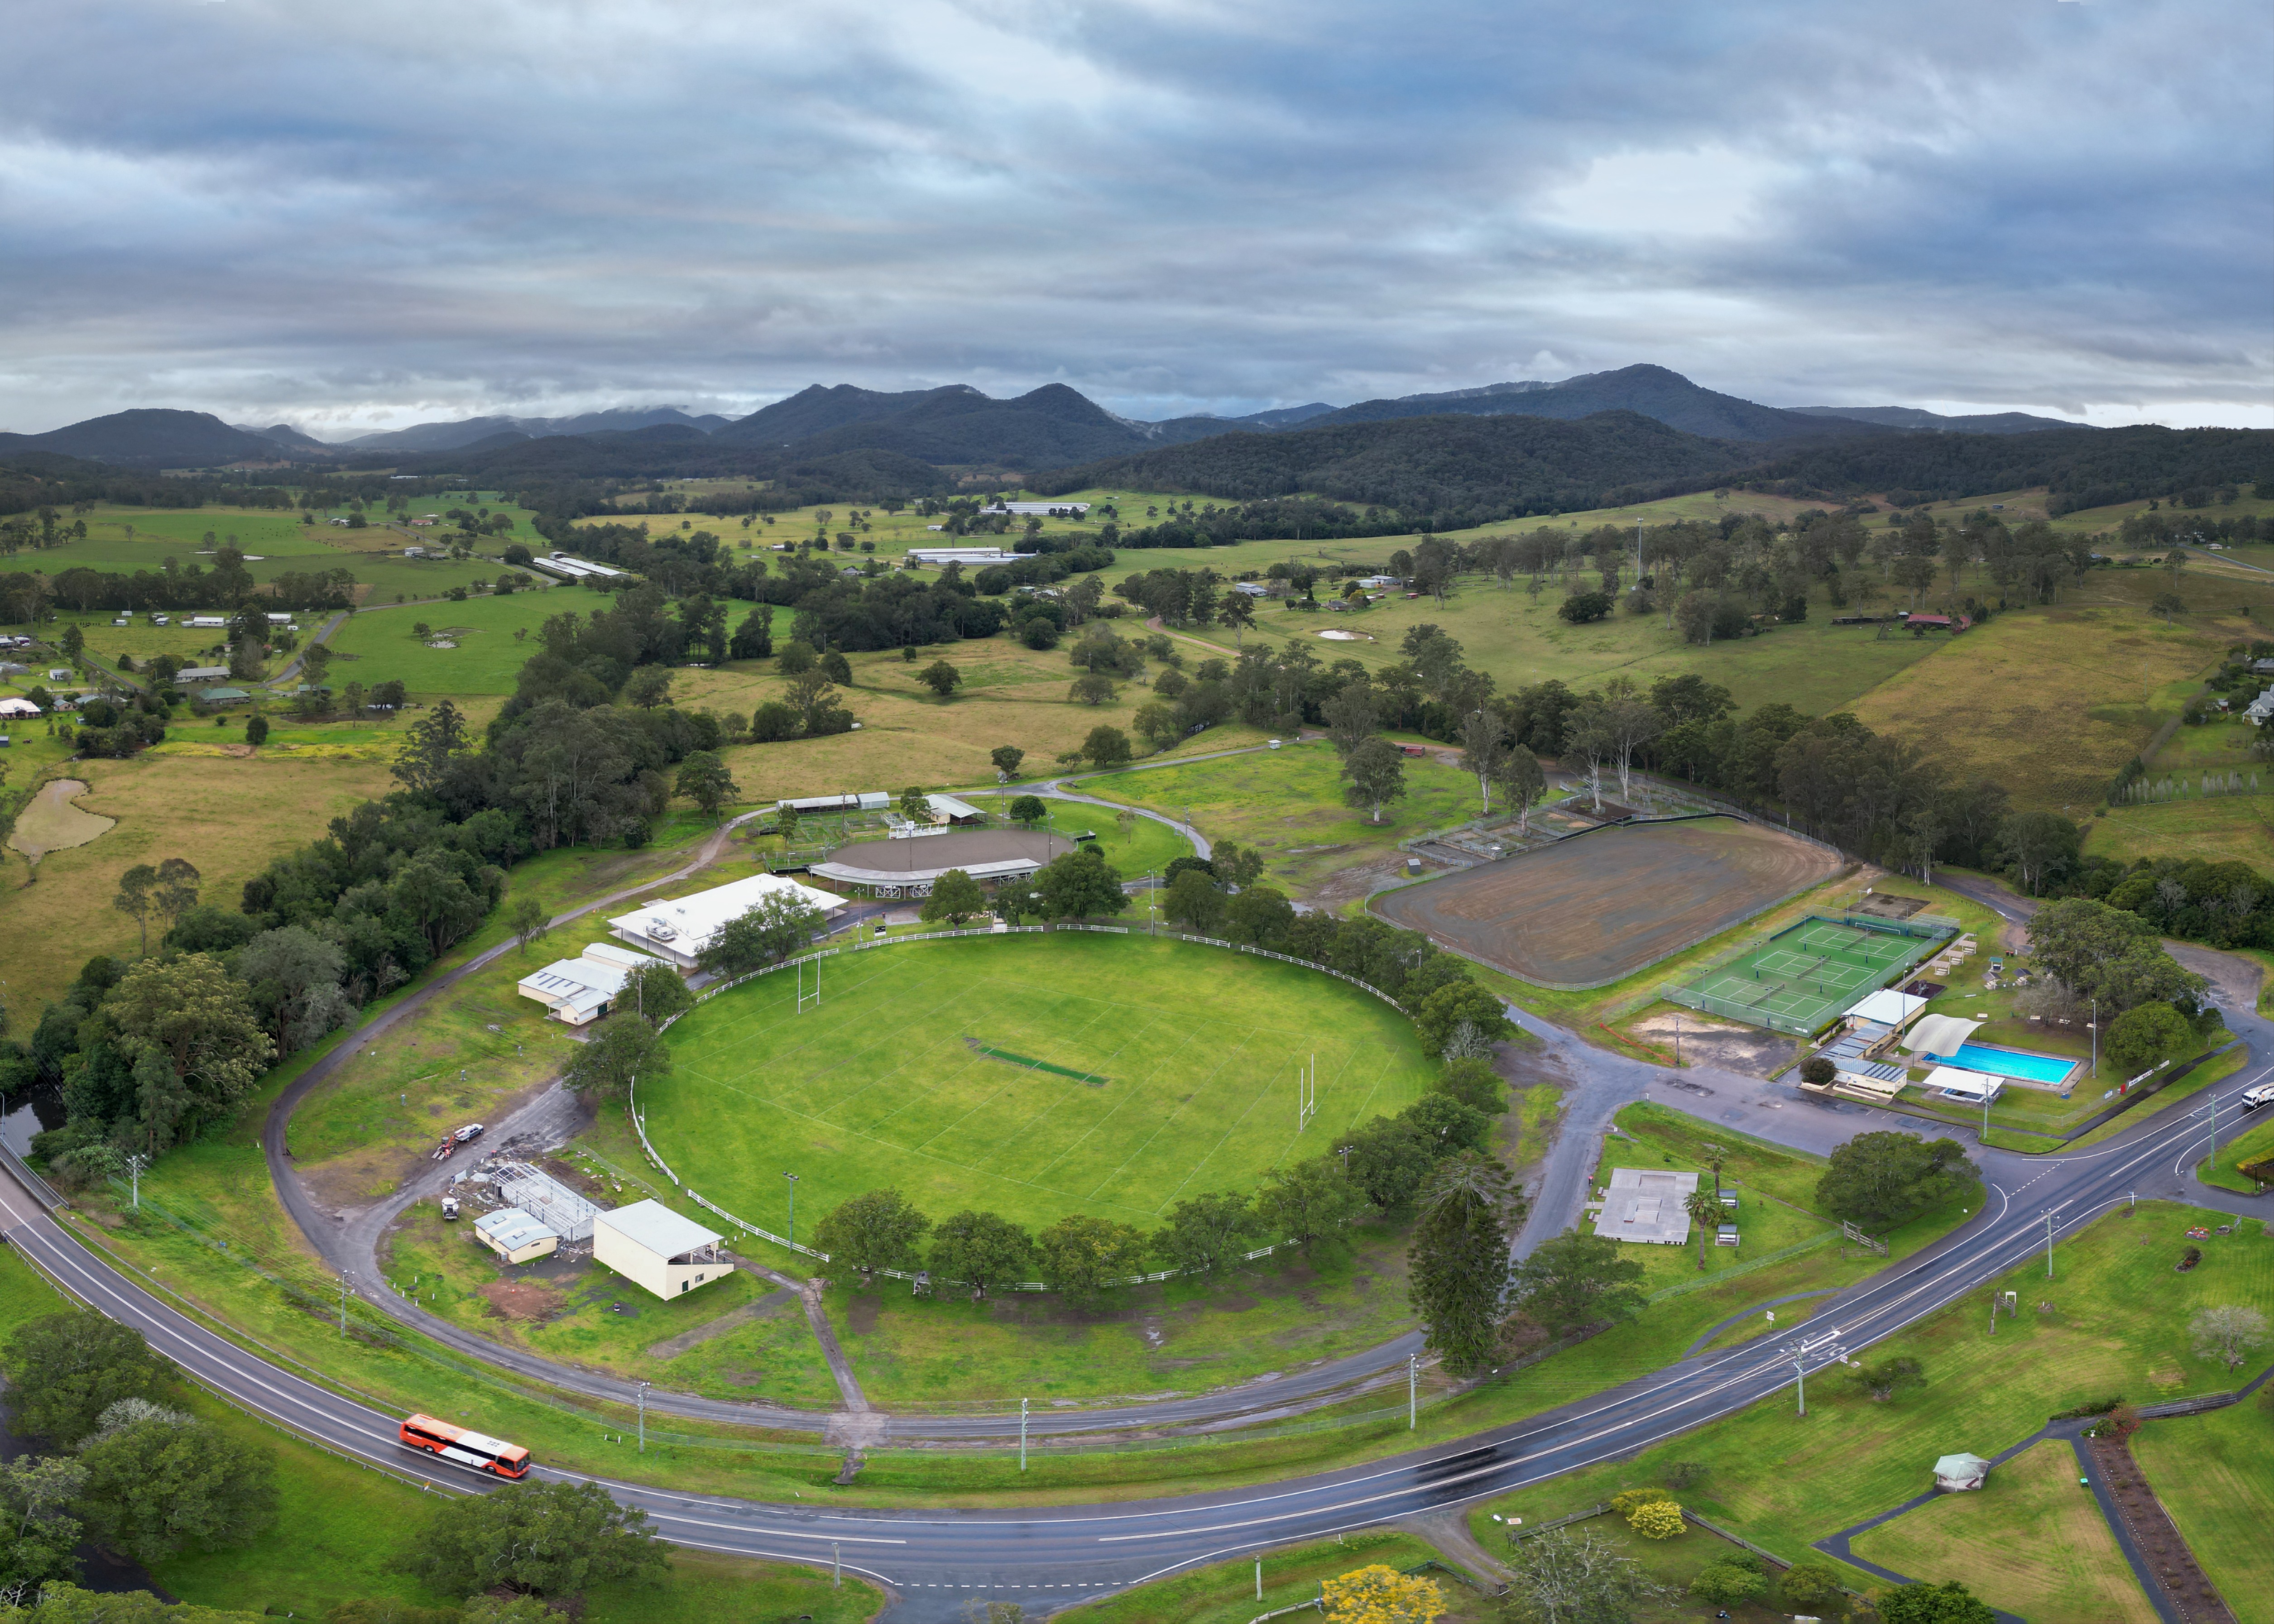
(449, 1209)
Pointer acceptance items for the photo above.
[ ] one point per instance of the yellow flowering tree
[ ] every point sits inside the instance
(1659, 1519)
(1382, 1595)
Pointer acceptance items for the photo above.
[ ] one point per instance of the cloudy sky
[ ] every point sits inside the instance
(361, 215)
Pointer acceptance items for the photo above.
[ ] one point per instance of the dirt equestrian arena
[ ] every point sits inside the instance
(1588, 911)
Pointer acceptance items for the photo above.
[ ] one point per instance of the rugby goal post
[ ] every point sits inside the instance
(805, 998)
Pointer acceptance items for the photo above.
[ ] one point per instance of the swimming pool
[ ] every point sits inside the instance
(2018, 1063)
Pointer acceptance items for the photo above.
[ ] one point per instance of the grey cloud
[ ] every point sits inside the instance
(342, 214)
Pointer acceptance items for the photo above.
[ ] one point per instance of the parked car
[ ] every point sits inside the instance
(468, 1134)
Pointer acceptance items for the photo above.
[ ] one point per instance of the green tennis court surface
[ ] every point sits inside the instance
(1808, 973)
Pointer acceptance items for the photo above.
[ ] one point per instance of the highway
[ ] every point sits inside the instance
(935, 1560)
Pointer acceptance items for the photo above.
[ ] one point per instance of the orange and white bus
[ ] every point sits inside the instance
(474, 1449)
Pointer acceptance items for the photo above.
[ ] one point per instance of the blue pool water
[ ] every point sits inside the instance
(2011, 1063)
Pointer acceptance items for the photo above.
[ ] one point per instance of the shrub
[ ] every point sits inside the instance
(1660, 1519)
(1626, 1504)
(1582, 607)
(1729, 1580)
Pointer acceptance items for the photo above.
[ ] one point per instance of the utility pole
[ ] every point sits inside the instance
(343, 1307)
(793, 1207)
(642, 1396)
(1259, 1578)
(1022, 1435)
(2049, 1243)
(836, 1566)
(1412, 1392)
(134, 1166)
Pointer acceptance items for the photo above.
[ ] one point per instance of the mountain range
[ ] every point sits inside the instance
(953, 426)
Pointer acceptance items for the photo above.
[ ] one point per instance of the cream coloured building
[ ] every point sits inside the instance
(653, 1246)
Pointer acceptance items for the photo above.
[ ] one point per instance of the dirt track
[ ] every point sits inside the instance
(1587, 911)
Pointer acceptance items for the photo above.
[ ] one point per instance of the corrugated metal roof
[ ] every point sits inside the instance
(655, 1227)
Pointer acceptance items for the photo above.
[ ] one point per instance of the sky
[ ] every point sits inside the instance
(351, 217)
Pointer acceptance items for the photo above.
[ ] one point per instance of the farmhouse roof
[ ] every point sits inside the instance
(201, 673)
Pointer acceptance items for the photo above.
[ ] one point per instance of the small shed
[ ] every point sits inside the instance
(653, 1246)
(1954, 1472)
(515, 1235)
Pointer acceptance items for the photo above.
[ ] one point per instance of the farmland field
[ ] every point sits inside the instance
(2098, 676)
(378, 645)
(2219, 829)
(1288, 805)
(1589, 909)
(228, 815)
(1189, 1052)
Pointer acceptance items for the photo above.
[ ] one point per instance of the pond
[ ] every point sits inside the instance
(53, 822)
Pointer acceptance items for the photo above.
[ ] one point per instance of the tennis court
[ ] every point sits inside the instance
(1808, 973)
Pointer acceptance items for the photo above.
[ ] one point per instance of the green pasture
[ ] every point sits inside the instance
(2031, 1540)
(882, 1086)
(1812, 666)
(2218, 828)
(380, 645)
(2215, 1476)
(2113, 1321)
(1288, 804)
(2254, 1142)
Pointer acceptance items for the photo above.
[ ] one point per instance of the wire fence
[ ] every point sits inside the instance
(759, 1231)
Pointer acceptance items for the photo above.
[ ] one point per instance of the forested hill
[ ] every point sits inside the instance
(2082, 467)
(1451, 468)
(1654, 391)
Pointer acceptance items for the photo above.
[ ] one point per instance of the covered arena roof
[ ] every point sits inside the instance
(983, 854)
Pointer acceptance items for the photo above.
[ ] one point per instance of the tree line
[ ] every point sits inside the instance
(154, 1050)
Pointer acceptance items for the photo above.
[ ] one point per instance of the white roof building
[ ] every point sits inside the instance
(2261, 710)
(1645, 1205)
(1888, 1008)
(1958, 1083)
(966, 556)
(579, 990)
(679, 930)
(651, 1245)
(1044, 508)
(18, 707)
(515, 1235)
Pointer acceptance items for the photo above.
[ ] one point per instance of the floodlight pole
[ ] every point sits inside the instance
(642, 1396)
(1022, 1435)
(792, 1236)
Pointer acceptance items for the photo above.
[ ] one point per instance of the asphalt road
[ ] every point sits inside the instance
(934, 1561)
